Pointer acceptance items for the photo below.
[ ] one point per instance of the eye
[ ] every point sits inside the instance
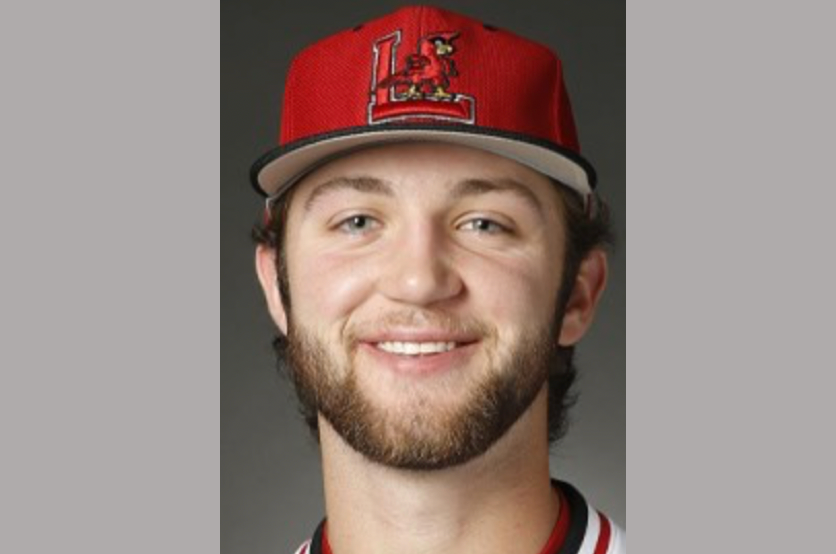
(483, 225)
(357, 224)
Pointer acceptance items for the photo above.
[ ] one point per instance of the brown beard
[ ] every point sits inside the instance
(428, 437)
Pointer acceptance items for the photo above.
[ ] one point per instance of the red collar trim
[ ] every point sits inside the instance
(326, 548)
(561, 527)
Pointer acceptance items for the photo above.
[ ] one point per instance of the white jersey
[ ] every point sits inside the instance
(581, 529)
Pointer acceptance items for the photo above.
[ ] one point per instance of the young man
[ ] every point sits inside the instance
(431, 254)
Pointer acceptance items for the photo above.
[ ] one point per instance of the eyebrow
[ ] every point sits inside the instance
(369, 185)
(460, 190)
(476, 187)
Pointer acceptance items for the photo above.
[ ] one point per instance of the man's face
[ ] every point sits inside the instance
(424, 280)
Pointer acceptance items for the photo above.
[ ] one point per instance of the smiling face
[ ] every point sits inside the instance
(424, 282)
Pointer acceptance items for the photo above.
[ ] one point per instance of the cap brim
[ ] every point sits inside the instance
(278, 170)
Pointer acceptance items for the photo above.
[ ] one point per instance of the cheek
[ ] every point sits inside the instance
(327, 287)
(518, 294)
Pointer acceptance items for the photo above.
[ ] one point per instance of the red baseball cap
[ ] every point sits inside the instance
(425, 74)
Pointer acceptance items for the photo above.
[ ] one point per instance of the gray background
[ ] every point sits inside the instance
(271, 496)
(109, 389)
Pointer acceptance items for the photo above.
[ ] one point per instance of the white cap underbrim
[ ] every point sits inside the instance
(281, 169)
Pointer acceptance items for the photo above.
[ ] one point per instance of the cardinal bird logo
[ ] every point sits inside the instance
(420, 89)
(427, 73)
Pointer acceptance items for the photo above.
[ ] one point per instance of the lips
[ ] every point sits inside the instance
(419, 336)
(416, 348)
(420, 353)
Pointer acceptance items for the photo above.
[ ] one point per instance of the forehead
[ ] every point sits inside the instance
(408, 169)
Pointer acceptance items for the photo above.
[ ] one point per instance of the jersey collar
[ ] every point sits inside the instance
(566, 537)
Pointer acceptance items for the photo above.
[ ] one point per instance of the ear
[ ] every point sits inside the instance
(265, 266)
(589, 286)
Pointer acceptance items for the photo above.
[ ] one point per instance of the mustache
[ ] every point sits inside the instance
(418, 319)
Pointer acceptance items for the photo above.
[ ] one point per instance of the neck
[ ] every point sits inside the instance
(501, 502)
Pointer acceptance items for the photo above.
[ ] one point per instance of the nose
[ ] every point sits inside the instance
(419, 269)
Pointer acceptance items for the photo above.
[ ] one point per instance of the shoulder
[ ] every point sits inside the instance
(591, 531)
(618, 544)
(603, 536)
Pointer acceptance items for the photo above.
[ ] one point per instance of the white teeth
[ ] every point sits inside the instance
(416, 348)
